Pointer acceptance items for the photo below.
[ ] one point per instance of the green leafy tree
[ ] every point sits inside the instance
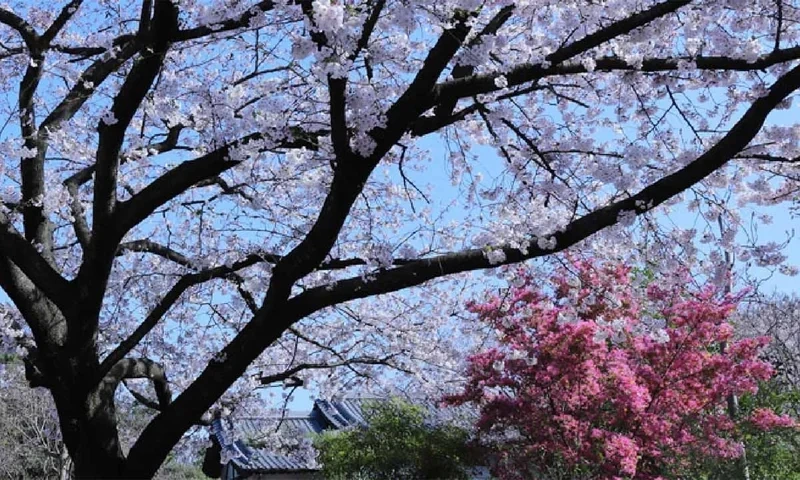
(396, 443)
(771, 455)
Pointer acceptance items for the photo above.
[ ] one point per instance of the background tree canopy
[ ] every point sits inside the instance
(396, 443)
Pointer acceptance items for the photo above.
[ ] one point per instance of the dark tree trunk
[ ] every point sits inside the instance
(89, 428)
(87, 413)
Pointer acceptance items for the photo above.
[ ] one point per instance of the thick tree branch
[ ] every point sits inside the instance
(36, 225)
(418, 272)
(408, 107)
(88, 82)
(337, 90)
(445, 103)
(32, 264)
(154, 405)
(145, 14)
(126, 103)
(167, 302)
(176, 181)
(368, 28)
(25, 29)
(444, 110)
(616, 29)
(149, 246)
(293, 371)
(79, 224)
(99, 257)
(348, 182)
(482, 84)
(40, 313)
(241, 21)
(169, 143)
(61, 20)
(193, 172)
(138, 368)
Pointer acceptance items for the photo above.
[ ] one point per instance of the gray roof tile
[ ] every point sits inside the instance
(335, 414)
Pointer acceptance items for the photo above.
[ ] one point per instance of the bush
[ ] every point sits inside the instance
(607, 377)
(396, 443)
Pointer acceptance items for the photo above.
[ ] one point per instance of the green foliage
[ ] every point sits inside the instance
(396, 444)
(771, 455)
(774, 455)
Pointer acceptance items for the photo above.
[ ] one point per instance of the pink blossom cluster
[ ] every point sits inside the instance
(605, 374)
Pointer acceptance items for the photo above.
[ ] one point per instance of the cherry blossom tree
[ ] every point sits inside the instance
(196, 192)
(612, 380)
(777, 316)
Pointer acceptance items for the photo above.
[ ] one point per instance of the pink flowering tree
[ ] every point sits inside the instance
(198, 194)
(610, 378)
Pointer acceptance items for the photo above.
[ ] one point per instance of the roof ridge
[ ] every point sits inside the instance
(290, 414)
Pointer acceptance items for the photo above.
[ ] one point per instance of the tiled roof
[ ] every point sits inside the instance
(334, 414)
(352, 409)
(257, 460)
(251, 459)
